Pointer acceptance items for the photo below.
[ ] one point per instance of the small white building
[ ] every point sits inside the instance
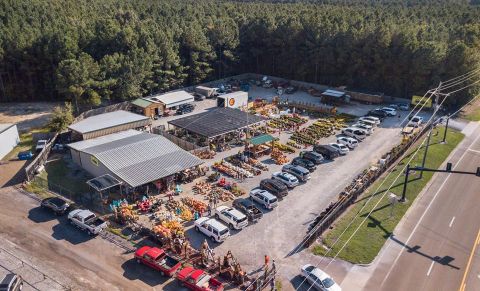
(8, 138)
(237, 99)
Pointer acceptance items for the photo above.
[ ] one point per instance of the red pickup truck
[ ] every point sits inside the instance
(157, 259)
(198, 280)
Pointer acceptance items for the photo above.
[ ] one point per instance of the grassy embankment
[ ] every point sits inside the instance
(367, 242)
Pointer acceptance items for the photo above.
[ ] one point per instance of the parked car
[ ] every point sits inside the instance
(301, 173)
(158, 259)
(357, 133)
(368, 128)
(11, 282)
(288, 179)
(212, 228)
(313, 156)
(327, 151)
(415, 120)
(404, 107)
(56, 204)
(265, 198)
(342, 149)
(198, 280)
(390, 111)
(319, 279)
(350, 142)
(26, 155)
(290, 90)
(275, 187)
(247, 207)
(377, 113)
(40, 145)
(198, 97)
(307, 164)
(231, 217)
(373, 119)
(185, 108)
(87, 221)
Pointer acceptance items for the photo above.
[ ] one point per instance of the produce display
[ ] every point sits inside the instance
(257, 164)
(195, 204)
(287, 121)
(323, 127)
(279, 157)
(202, 188)
(162, 231)
(174, 227)
(283, 147)
(231, 170)
(206, 154)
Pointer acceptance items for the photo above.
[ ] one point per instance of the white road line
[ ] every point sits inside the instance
(425, 212)
(430, 269)
(475, 151)
(451, 221)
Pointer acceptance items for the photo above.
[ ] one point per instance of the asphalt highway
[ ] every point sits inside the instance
(437, 246)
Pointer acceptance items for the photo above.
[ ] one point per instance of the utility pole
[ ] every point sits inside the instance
(407, 171)
(435, 92)
(446, 128)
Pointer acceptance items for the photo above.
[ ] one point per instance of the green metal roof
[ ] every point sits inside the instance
(261, 139)
(141, 102)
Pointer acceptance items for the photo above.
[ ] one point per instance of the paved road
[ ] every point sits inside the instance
(435, 246)
(52, 255)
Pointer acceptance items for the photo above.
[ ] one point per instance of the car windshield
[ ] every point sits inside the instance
(273, 200)
(57, 201)
(328, 282)
(224, 231)
(240, 220)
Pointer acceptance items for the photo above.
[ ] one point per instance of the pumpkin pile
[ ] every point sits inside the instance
(279, 157)
(195, 204)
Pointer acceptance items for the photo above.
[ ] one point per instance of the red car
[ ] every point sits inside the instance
(198, 280)
(157, 259)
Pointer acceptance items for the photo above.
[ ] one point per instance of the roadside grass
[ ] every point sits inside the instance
(26, 143)
(371, 236)
(473, 115)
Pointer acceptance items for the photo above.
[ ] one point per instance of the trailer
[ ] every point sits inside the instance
(237, 99)
(207, 91)
(366, 98)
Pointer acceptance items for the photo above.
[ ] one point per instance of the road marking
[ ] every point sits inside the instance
(451, 222)
(430, 269)
(425, 212)
(467, 268)
(475, 151)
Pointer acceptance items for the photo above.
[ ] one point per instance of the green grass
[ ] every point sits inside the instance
(118, 232)
(58, 173)
(26, 143)
(474, 115)
(371, 236)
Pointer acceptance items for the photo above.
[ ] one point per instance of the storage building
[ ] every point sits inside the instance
(8, 138)
(237, 99)
(134, 157)
(107, 123)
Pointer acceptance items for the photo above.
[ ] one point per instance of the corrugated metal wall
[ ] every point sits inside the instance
(115, 129)
(8, 140)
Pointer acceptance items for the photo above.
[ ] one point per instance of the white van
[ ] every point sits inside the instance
(265, 198)
(357, 133)
(212, 228)
(374, 119)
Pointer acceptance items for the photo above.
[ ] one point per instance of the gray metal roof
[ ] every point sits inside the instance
(5, 126)
(138, 157)
(106, 120)
(172, 99)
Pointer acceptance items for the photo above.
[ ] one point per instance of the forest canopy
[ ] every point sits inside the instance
(112, 50)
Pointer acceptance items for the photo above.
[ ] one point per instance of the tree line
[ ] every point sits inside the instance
(92, 52)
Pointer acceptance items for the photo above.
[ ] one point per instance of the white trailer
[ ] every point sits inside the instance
(237, 99)
(206, 91)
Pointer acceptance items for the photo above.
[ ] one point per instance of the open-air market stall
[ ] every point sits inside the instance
(260, 145)
(218, 127)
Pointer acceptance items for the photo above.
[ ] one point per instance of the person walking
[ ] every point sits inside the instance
(209, 208)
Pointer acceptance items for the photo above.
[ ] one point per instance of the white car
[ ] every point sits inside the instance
(265, 198)
(319, 279)
(368, 128)
(40, 145)
(350, 142)
(232, 217)
(288, 179)
(354, 132)
(415, 121)
(212, 228)
(390, 111)
(374, 119)
(342, 149)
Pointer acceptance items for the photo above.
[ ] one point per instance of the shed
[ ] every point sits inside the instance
(147, 107)
(8, 138)
(132, 156)
(172, 99)
(107, 123)
(335, 97)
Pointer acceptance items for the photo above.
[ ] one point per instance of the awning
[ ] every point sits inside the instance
(261, 139)
(103, 182)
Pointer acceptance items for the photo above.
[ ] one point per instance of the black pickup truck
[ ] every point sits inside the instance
(248, 208)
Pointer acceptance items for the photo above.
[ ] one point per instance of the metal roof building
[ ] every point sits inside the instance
(134, 157)
(172, 99)
(107, 123)
(217, 122)
(8, 138)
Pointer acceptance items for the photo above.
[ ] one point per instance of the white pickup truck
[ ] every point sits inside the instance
(87, 220)
(232, 217)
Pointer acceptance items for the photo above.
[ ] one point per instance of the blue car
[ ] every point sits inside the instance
(27, 155)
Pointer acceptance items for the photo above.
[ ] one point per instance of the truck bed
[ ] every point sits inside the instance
(255, 213)
(96, 222)
(170, 262)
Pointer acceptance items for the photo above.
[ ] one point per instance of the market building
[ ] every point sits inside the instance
(108, 123)
(133, 157)
(217, 127)
(9, 138)
(158, 105)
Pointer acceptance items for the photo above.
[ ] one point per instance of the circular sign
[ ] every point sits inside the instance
(231, 102)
